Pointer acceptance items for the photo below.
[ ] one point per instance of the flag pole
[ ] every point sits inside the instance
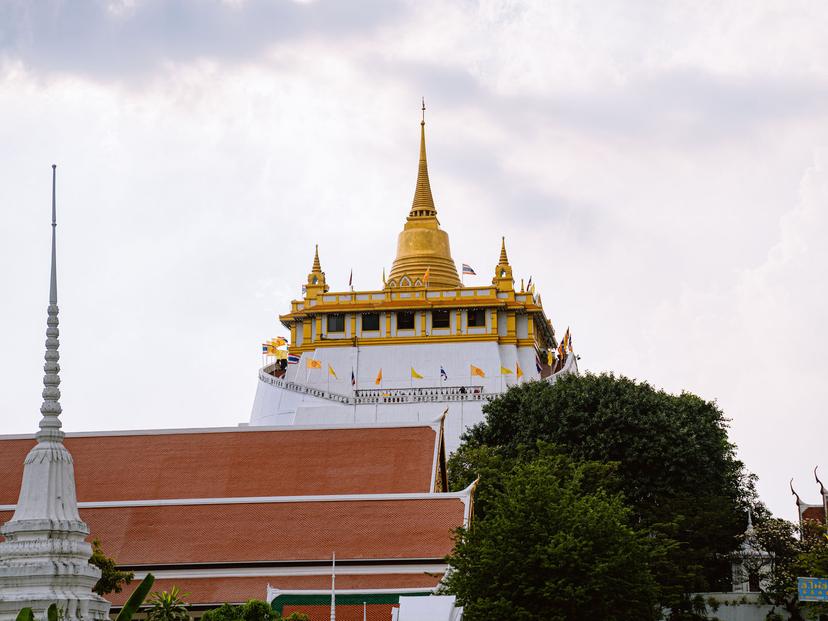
(333, 588)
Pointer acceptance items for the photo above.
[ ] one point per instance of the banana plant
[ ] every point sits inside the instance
(136, 599)
(27, 615)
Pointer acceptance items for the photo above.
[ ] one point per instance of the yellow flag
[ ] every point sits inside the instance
(477, 371)
(415, 375)
(281, 354)
(505, 371)
(379, 378)
(314, 364)
(331, 371)
(519, 370)
(278, 341)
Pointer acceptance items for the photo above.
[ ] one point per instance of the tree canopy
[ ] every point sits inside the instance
(676, 468)
(112, 579)
(554, 544)
(791, 552)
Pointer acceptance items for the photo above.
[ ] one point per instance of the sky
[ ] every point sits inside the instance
(659, 169)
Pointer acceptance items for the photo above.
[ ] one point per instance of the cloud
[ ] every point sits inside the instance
(641, 160)
(120, 40)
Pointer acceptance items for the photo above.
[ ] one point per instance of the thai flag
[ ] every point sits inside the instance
(293, 359)
(265, 348)
(467, 269)
(443, 373)
(353, 378)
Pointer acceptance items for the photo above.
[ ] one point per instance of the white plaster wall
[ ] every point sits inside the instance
(275, 406)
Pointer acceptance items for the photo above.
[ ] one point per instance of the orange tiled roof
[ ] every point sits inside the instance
(238, 463)
(283, 531)
(814, 513)
(240, 589)
(374, 612)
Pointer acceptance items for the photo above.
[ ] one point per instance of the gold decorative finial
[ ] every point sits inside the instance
(423, 203)
(504, 260)
(422, 247)
(316, 265)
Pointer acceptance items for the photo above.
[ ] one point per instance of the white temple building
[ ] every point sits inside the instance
(420, 345)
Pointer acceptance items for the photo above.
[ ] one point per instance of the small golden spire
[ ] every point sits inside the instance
(504, 260)
(423, 204)
(316, 265)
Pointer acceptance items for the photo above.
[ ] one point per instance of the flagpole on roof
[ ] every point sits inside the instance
(333, 587)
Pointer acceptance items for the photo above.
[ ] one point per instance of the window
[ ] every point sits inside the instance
(440, 319)
(477, 318)
(370, 321)
(405, 320)
(336, 322)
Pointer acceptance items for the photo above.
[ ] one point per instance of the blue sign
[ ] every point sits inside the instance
(813, 589)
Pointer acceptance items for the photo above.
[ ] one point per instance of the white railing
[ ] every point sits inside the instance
(402, 395)
(381, 395)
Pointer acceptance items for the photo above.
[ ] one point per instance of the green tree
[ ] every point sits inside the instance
(112, 579)
(551, 542)
(254, 610)
(168, 606)
(791, 554)
(676, 467)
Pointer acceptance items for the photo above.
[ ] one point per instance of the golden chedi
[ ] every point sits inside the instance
(422, 247)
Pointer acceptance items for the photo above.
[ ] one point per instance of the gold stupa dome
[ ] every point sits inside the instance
(422, 247)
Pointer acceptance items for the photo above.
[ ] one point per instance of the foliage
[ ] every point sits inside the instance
(112, 579)
(791, 555)
(551, 542)
(676, 468)
(254, 610)
(136, 599)
(52, 613)
(26, 614)
(168, 606)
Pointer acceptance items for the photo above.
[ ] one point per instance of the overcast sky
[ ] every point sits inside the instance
(656, 167)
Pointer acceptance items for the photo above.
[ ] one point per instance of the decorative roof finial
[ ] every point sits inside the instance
(317, 267)
(821, 486)
(50, 410)
(793, 491)
(504, 260)
(423, 203)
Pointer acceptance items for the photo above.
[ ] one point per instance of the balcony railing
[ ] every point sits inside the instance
(381, 395)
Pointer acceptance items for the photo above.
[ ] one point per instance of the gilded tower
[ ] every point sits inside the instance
(422, 246)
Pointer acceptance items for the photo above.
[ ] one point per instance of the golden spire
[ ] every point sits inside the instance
(423, 204)
(503, 279)
(422, 247)
(316, 266)
(316, 278)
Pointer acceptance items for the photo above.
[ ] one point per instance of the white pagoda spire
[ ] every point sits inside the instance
(45, 557)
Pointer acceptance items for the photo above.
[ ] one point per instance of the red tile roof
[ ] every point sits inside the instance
(365, 529)
(283, 531)
(814, 513)
(240, 589)
(238, 463)
(375, 612)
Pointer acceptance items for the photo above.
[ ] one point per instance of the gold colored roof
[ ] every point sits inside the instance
(422, 245)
